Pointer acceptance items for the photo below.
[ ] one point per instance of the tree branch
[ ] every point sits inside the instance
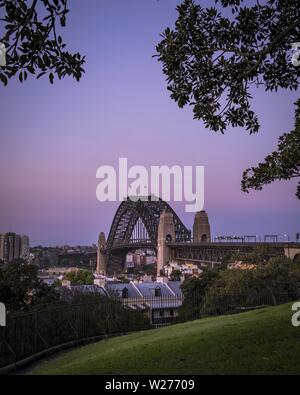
(260, 53)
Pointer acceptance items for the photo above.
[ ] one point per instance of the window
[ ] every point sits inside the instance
(168, 238)
(157, 291)
(125, 293)
(171, 312)
(203, 238)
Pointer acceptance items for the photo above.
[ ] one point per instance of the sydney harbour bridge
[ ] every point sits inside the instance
(151, 223)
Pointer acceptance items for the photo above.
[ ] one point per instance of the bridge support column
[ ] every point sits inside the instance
(201, 228)
(101, 257)
(166, 232)
(292, 252)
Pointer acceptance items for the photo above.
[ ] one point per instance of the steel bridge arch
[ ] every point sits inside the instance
(148, 209)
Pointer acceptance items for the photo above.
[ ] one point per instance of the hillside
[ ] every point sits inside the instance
(256, 342)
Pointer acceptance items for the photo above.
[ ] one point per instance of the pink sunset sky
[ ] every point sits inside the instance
(53, 138)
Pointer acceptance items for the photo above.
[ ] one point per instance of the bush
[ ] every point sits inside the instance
(260, 255)
(20, 287)
(80, 277)
(276, 282)
(194, 289)
(228, 291)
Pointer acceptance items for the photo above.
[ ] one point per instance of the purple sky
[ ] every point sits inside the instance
(53, 138)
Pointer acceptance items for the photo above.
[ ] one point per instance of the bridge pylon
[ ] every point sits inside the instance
(101, 256)
(165, 233)
(201, 228)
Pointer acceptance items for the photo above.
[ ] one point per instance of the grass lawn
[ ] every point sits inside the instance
(256, 342)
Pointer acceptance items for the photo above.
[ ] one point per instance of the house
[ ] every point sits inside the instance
(161, 300)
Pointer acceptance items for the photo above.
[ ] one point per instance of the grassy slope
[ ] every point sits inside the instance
(257, 342)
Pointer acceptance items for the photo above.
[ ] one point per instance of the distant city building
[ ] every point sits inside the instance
(66, 256)
(51, 275)
(1, 246)
(140, 258)
(16, 243)
(150, 260)
(186, 269)
(129, 260)
(25, 247)
(241, 266)
(13, 246)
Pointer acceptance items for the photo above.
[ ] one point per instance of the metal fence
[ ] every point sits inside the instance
(39, 331)
(31, 333)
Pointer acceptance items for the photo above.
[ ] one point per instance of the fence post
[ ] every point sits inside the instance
(35, 331)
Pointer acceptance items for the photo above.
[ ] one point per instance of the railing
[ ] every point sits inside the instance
(234, 242)
(131, 242)
(171, 309)
(259, 239)
(159, 309)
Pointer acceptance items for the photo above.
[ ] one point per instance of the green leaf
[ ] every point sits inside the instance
(40, 75)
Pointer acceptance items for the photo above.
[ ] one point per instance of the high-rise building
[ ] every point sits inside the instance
(25, 248)
(13, 246)
(9, 247)
(1, 246)
(17, 246)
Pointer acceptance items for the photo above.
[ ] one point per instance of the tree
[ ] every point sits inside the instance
(194, 290)
(148, 269)
(260, 255)
(80, 277)
(212, 61)
(57, 283)
(278, 281)
(123, 279)
(20, 286)
(33, 42)
(175, 275)
(283, 164)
